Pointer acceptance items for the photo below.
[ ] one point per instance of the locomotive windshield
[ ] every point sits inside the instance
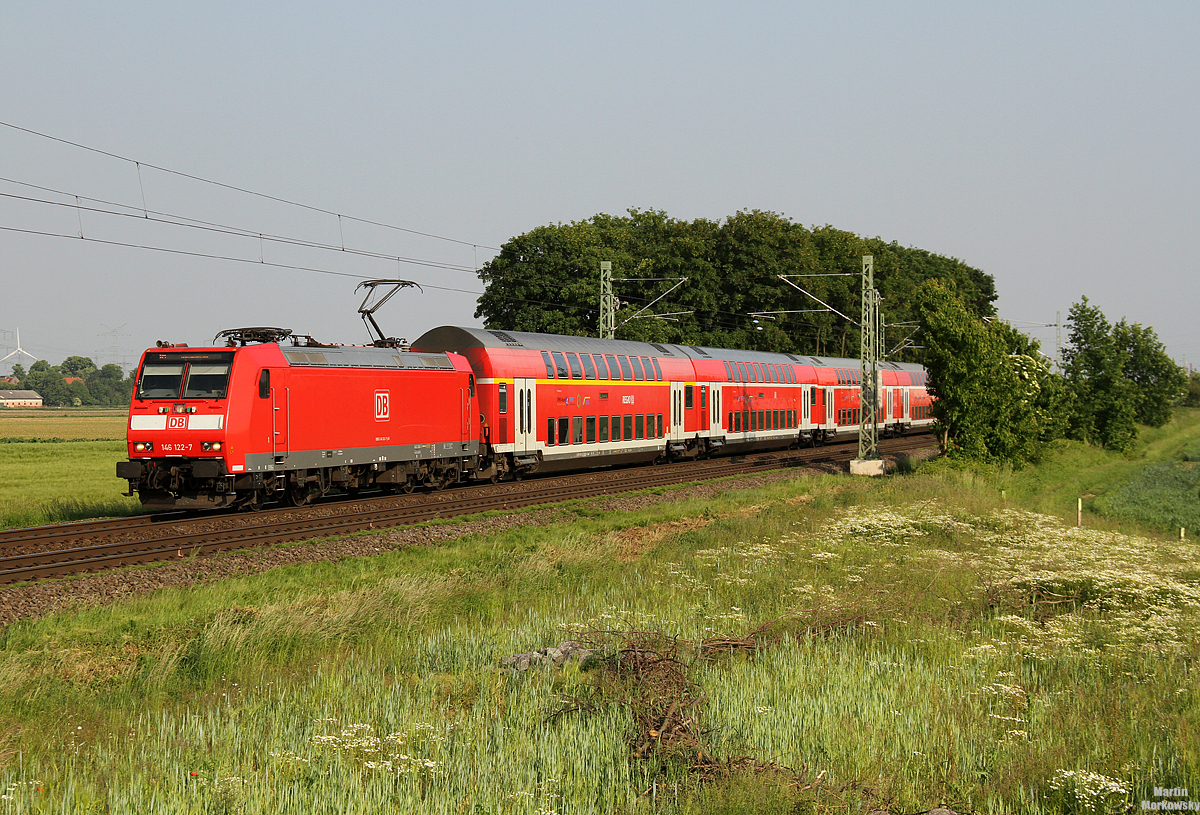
(160, 381)
(206, 381)
(185, 376)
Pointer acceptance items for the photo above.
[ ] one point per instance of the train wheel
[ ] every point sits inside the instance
(299, 496)
(408, 486)
(252, 502)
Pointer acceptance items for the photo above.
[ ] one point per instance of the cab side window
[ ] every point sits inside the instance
(264, 384)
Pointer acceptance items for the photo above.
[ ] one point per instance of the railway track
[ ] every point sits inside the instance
(39, 553)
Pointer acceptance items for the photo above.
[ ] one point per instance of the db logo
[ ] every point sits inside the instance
(382, 406)
(176, 422)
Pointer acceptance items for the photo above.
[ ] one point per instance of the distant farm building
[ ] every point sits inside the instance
(20, 399)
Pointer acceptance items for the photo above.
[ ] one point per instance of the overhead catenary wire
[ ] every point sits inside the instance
(211, 256)
(719, 319)
(242, 190)
(214, 227)
(256, 262)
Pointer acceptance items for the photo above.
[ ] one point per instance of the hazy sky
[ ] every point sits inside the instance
(1053, 145)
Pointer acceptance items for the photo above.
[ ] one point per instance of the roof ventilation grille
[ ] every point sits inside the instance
(505, 338)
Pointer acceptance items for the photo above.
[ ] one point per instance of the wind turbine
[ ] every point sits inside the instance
(19, 350)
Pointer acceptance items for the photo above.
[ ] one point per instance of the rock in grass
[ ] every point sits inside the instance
(556, 656)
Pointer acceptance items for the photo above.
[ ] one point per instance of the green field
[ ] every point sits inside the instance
(833, 644)
(59, 465)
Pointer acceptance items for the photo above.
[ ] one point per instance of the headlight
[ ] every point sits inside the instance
(210, 446)
(144, 447)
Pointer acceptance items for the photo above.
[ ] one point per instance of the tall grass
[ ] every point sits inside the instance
(61, 481)
(996, 654)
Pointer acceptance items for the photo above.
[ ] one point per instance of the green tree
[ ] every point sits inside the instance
(18, 371)
(108, 386)
(1104, 401)
(988, 380)
(77, 366)
(50, 386)
(1192, 397)
(1158, 382)
(41, 366)
(548, 280)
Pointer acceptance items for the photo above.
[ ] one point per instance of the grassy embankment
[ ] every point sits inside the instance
(58, 465)
(897, 643)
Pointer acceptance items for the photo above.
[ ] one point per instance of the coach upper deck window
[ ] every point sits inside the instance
(576, 370)
(601, 366)
(589, 371)
(657, 369)
(626, 371)
(637, 368)
(561, 364)
(549, 365)
(649, 370)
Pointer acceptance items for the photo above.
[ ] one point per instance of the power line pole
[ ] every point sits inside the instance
(1058, 341)
(871, 340)
(608, 303)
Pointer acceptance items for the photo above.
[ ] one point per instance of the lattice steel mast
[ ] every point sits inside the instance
(871, 346)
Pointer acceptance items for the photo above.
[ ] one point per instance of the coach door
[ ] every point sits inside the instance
(805, 406)
(677, 410)
(703, 408)
(525, 438)
(905, 414)
(830, 416)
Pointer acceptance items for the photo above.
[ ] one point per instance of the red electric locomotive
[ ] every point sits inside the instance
(256, 420)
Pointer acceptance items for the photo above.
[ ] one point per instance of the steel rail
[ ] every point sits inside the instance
(283, 525)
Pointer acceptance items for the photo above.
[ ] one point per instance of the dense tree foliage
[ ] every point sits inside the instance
(1094, 366)
(1157, 381)
(548, 279)
(1118, 376)
(106, 386)
(996, 398)
(1192, 397)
